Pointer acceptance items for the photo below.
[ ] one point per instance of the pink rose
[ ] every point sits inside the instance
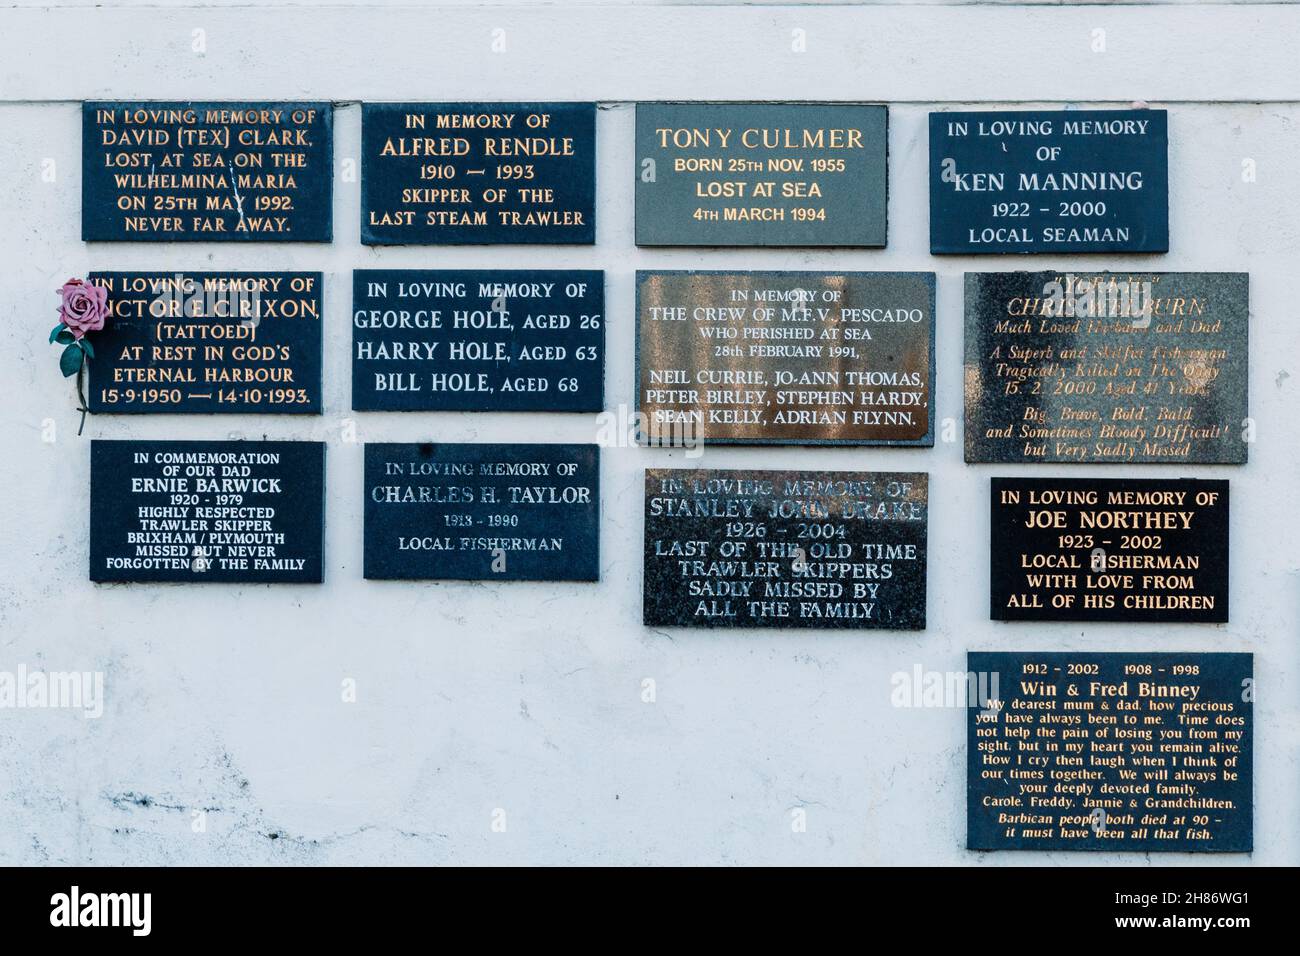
(84, 307)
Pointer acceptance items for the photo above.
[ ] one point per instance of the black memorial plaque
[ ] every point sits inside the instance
(785, 549)
(1107, 368)
(208, 342)
(761, 174)
(207, 172)
(207, 511)
(785, 358)
(1097, 549)
(1049, 181)
(476, 173)
(482, 512)
(478, 340)
(1118, 752)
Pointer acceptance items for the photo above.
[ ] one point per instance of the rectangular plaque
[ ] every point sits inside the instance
(1055, 181)
(208, 342)
(785, 549)
(1106, 368)
(478, 340)
(249, 512)
(1120, 752)
(207, 172)
(1096, 549)
(761, 174)
(785, 358)
(477, 173)
(483, 512)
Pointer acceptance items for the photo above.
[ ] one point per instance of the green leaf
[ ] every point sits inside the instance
(66, 338)
(85, 347)
(57, 331)
(70, 361)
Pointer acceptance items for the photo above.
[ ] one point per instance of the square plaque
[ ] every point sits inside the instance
(187, 342)
(1097, 549)
(785, 358)
(478, 340)
(1119, 752)
(483, 512)
(785, 549)
(207, 172)
(1053, 181)
(478, 173)
(1106, 368)
(761, 174)
(248, 512)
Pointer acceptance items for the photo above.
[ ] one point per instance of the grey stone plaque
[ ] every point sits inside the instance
(785, 549)
(1107, 368)
(761, 174)
(774, 358)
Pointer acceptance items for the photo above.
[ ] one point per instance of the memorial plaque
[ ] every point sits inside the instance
(478, 340)
(1053, 181)
(207, 172)
(785, 549)
(476, 173)
(483, 512)
(248, 512)
(761, 174)
(1096, 549)
(1106, 368)
(1119, 752)
(785, 358)
(208, 342)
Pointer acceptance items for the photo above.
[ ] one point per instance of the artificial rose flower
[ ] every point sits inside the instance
(84, 307)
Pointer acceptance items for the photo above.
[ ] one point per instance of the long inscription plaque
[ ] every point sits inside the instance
(785, 357)
(785, 549)
(1096, 549)
(1107, 368)
(207, 511)
(1119, 752)
(207, 172)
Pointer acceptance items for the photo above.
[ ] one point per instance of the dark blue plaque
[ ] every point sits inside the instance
(1100, 549)
(478, 340)
(482, 512)
(208, 342)
(1119, 752)
(207, 172)
(1049, 181)
(207, 511)
(478, 173)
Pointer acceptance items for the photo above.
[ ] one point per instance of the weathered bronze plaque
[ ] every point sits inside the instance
(1107, 368)
(785, 358)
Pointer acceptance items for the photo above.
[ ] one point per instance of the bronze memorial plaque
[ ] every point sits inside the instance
(785, 358)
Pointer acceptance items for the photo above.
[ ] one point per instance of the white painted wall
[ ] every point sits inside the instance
(527, 697)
